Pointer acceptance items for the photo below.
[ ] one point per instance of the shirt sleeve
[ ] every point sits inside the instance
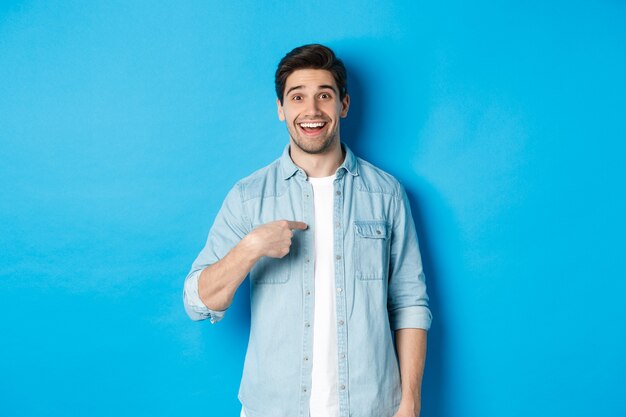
(407, 301)
(230, 226)
(194, 306)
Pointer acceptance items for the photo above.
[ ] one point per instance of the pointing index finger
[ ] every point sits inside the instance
(297, 225)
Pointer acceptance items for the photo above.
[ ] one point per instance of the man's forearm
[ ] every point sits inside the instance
(411, 348)
(219, 282)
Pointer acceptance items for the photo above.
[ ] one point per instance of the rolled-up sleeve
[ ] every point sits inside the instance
(230, 226)
(407, 301)
(194, 306)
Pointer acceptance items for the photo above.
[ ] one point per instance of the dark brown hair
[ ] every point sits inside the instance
(312, 56)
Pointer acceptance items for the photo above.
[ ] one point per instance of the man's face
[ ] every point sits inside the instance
(311, 109)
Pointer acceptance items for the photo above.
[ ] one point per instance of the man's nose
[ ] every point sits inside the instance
(313, 108)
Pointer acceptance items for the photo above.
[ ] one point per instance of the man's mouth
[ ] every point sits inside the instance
(312, 128)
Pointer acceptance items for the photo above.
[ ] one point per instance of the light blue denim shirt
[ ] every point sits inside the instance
(378, 275)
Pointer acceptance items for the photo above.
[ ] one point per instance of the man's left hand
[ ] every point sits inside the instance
(409, 409)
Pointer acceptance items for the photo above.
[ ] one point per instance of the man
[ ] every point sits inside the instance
(331, 250)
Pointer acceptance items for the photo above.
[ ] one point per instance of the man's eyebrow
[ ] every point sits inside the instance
(293, 88)
(330, 87)
(321, 87)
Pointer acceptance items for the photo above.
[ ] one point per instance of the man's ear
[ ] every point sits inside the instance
(281, 114)
(345, 105)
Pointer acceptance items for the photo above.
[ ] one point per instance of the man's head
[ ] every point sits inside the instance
(312, 96)
(313, 56)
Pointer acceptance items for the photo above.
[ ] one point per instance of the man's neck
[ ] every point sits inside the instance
(318, 165)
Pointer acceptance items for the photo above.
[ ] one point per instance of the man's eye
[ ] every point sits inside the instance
(324, 96)
(296, 98)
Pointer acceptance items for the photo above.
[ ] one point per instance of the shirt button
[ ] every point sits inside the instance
(306, 195)
(342, 356)
(308, 293)
(306, 358)
(342, 386)
(304, 389)
(338, 257)
(341, 322)
(339, 290)
(378, 232)
(306, 260)
(338, 193)
(307, 325)
(337, 225)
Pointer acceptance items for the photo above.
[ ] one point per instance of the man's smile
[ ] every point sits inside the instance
(312, 128)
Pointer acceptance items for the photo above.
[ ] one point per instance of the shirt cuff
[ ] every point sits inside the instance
(194, 306)
(413, 317)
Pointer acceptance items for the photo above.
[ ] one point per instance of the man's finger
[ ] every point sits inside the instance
(297, 225)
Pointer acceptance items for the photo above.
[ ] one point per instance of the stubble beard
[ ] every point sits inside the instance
(315, 147)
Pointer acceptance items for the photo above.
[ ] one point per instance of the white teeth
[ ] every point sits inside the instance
(311, 125)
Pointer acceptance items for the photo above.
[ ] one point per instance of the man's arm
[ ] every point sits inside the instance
(407, 301)
(409, 314)
(231, 250)
(219, 281)
(411, 348)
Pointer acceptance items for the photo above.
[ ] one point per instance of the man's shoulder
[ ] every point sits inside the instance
(261, 181)
(376, 180)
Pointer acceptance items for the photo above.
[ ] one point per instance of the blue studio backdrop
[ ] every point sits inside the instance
(124, 124)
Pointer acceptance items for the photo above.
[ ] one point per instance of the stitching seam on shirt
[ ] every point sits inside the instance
(243, 208)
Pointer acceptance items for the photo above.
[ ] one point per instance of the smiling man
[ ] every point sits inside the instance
(331, 250)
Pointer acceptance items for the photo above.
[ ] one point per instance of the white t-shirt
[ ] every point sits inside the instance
(324, 376)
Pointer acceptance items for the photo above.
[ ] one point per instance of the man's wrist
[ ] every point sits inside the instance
(249, 249)
(411, 400)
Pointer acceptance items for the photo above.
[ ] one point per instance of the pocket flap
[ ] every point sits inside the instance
(376, 229)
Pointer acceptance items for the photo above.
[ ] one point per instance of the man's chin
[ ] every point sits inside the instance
(315, 147)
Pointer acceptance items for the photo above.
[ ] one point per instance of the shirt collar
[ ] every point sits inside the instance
(289, 168)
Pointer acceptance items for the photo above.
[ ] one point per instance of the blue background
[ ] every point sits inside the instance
(124, 124)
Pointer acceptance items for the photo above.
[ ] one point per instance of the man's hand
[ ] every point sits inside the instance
(273, 239)
(409, 408)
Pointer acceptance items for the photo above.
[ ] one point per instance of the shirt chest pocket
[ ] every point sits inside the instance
(371, 249)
